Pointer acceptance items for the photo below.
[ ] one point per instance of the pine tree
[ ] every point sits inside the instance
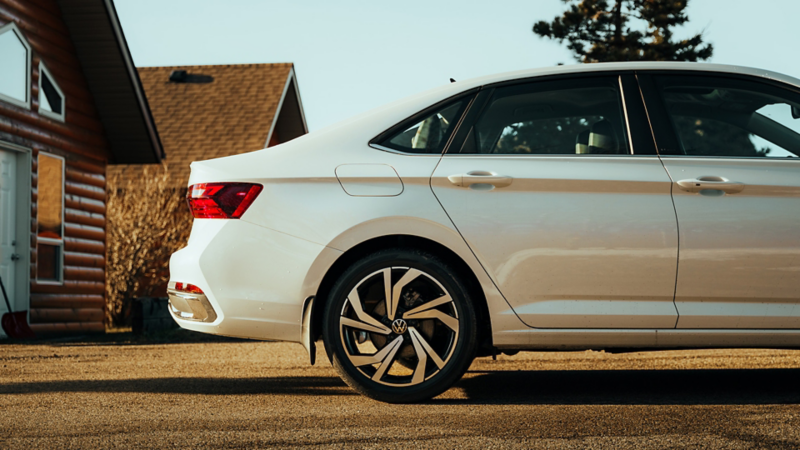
(625, 30)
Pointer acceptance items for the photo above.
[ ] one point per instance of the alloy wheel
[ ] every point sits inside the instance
(399, 326)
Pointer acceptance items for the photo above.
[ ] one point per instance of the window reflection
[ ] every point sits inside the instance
(527, 120)
(428, 135)
(14, 66)
(48, 262)
(50, 218)
(50, 199)
(721, 121)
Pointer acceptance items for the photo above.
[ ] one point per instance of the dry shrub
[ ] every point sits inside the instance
(147, 221)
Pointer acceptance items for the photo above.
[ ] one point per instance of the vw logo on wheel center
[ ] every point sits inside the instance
(399, 326)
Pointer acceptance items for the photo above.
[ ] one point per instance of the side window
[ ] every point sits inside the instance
(552, 118)
(427, 134)
(15, 54)
(732, 118)
(50, 219)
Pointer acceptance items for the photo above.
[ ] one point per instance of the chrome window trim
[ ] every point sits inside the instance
(625, 115)
(398, 152)
(792, 159)
(553, 155)
(507, 155)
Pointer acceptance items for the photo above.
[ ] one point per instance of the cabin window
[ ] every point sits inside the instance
(50, 219)
(51, 98)
(15, 70)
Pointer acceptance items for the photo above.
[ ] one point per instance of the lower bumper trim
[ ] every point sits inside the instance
(194, 307)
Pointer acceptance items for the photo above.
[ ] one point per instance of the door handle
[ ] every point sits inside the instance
(716, 183)
(480, 177)
(16, 256)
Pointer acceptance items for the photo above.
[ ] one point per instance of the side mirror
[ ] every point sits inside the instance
(796, 112)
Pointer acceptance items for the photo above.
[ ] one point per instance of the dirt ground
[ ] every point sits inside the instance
(125, 392)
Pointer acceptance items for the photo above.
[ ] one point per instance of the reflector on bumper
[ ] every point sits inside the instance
(190, 306)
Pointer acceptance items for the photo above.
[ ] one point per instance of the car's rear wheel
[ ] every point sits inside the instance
(400, 326)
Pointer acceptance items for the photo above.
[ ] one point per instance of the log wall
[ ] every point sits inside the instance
(79, 304)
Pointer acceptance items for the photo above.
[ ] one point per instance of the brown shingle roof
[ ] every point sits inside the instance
(230, 115)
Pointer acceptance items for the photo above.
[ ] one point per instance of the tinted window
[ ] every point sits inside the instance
(427, 134)
(548, 118)
(729, 118)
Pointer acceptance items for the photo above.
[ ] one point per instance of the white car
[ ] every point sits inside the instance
(603, 206)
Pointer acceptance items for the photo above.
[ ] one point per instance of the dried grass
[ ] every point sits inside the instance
(147, 221)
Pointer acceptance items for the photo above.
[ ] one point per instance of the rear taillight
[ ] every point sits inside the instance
(221, 200)
(186, 287)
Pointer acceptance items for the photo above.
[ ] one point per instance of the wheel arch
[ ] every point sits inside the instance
(372, 245)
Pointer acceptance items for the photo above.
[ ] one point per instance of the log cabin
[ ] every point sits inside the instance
(71, 104)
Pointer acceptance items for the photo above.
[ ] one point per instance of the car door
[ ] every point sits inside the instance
(731, 146)
(573, 223)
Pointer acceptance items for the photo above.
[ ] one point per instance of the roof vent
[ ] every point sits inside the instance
(182, 76)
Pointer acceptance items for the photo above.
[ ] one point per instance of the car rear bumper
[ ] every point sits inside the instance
(254, 280)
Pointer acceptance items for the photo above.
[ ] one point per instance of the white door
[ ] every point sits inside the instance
(735, 161)
(575, 231)
(8, 183)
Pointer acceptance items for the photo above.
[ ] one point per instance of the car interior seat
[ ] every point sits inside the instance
(602, 139)
(582, 142)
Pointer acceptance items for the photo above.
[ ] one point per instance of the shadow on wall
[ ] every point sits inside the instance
(589, 387)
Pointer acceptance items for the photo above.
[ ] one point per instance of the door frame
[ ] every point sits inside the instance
(670, 149)
(24, 155)
(637, 131)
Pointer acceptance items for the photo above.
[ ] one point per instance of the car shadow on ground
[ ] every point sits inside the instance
(632, 387)
(172, 336)
(189, 385)
(557, 387)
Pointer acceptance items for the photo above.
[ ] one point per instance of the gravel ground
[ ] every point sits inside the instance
(125, 392)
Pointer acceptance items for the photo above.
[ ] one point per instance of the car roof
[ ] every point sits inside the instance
(628, 66)
(388, 115)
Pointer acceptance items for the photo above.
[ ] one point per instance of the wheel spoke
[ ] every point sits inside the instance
(423, 349)
(422, 357)
(385, 357)
(450, 321)
(431, 304)
(397, 289)
(387, 289)
(348, 322)
(388, 350)
(355, 302)
(389, 359)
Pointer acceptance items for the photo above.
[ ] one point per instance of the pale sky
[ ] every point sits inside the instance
(351, 55)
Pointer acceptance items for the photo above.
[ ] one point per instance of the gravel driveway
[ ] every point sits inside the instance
(127, 393)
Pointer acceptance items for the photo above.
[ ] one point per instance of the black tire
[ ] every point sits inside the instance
(423, 340)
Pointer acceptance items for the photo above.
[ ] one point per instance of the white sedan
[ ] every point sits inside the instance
(603, 206)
